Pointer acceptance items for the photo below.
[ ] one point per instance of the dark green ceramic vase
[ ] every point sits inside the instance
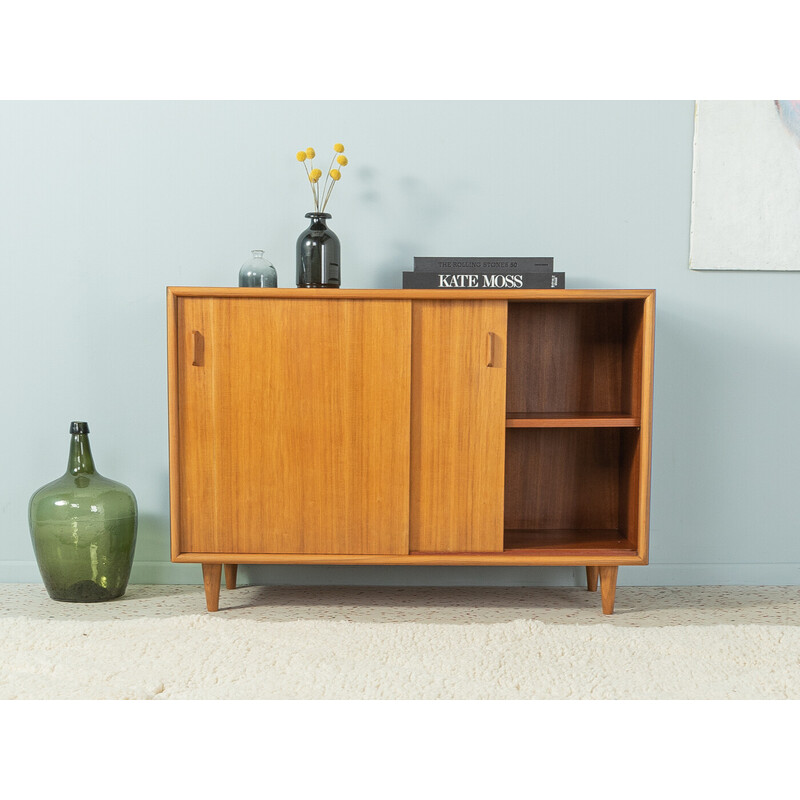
(83, 528)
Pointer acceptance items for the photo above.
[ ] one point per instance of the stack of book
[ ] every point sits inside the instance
(439, 272)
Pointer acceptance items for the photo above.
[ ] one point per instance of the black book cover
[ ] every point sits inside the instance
(479, 264)
(494, 279)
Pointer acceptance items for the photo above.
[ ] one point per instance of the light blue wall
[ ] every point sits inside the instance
(102, 205)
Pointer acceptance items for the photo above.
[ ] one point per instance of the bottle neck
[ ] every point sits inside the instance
(318, 219)
(80, 455)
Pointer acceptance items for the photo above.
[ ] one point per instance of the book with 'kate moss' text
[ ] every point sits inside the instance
(478, 264)
(494, 279)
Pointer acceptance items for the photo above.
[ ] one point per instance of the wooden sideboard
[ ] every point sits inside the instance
(448, 427)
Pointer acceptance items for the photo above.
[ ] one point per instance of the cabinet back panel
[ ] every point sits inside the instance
(562, 478)
(294, 431)
(566, 358)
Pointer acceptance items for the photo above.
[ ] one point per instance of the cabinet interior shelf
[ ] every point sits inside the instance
(602, 542)
(570, 420)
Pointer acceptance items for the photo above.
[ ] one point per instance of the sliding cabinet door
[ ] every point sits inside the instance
(458, 390)
(293, 425)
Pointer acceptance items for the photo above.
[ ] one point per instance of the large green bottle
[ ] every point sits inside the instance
(83, 528)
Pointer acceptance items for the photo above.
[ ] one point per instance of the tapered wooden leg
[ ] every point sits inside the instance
(212, 574)
(608, 588)
(230, 575)
(591, 578)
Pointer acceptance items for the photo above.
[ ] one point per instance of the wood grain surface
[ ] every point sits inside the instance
(608, 587)
(294, 434)
(562, 478)
(572, 556)
(410, 427)
(565, 358)
(562, 420)
(445, 295)
(592, 576)
(211, 582)
(457, 426)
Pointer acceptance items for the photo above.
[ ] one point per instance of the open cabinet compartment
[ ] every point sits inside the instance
(572, 490)
(574, 362)
(574, 406)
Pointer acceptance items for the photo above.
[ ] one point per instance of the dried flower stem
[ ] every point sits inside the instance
(333, 183)
(327, 177)
(314, 188)
(313, 193)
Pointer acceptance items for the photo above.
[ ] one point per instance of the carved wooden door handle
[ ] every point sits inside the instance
(198, 349)
(490, 349)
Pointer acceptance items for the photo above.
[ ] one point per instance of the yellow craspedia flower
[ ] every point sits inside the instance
(315, 175)
(335, 174)
(310, 152)
(341, 160)
(301, 156)
(339, 148)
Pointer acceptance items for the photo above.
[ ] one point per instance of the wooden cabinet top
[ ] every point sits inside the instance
(554, 295)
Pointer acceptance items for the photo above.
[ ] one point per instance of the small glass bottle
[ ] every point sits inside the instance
(83, 529)
(258, 272)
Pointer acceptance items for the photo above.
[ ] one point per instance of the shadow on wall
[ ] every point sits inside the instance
(418, 211)
(407, 575)
(152, 538)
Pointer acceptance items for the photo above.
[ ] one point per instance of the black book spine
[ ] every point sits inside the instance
(495, 279)
(455, 264)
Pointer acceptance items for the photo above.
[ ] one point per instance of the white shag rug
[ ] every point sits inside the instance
(158, 642)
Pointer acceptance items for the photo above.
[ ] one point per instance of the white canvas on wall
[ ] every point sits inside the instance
(746, 185)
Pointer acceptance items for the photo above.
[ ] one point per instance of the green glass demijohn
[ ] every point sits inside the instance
(83, 528)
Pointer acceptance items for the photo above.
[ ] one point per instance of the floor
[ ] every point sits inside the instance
(639, 607)
(159, 643)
